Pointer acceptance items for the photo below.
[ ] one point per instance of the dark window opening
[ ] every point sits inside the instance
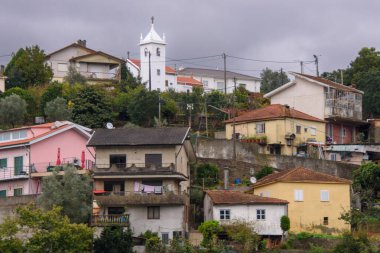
(114, 186)
(118, 160)
(153, 160)
(165, 238)
(115, 210)
(177, 234)
(153, 212)
(325, 221)
(17, 192)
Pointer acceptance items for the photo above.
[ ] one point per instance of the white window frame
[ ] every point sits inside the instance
(260, 128)
(325, 196)
(300, 129)
(225, 214)
(313, 131)
(261, 214)
(62, 67)
(298, 195)
(333, 157)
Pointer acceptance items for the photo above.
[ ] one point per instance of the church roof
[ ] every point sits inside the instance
(152, 37)
(137, 63)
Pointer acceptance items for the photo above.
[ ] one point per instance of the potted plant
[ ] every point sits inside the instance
(263, 139)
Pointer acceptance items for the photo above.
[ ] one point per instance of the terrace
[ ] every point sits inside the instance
(14, 173)
(343, 104)
(110, 220)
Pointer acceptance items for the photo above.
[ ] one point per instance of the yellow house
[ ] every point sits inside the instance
(316, 200)
(280, 129)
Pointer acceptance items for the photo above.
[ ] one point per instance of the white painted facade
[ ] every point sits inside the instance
(301, 95)
(154, 46)
(171, 219)
(271, 225)
(2, 83)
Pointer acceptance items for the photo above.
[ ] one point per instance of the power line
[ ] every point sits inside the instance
(269, 61)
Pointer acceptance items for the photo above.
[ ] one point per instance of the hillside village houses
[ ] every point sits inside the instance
(31, 152)
(316, 200)
(142, 179)
(262, 213)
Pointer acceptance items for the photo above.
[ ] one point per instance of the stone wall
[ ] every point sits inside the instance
(8, 205)
(249, 161)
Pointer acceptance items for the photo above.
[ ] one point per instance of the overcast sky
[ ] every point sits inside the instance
(279, 30)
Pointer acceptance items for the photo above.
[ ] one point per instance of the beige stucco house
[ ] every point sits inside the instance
(141, 179)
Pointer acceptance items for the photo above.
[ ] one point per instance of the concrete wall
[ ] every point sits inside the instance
(249, 161)
(8, 205)
(2, 84)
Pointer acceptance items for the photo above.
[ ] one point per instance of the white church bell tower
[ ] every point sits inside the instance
(152, 57)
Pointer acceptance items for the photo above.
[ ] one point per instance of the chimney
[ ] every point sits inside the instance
(81, 43)
(226, 178)
(2, 68)
(353, 85)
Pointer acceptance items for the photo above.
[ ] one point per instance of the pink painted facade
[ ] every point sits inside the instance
(21, 159)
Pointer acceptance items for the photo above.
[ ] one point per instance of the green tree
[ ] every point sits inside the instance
(91, 108)
(48, 231)
(143, 106)
(285, 224)
(53, 91)
(351, 244)
(114, 240)
(210, 230)
(367, 183)
(207, 173)
(12, 110)
(71, 191)
(153, 243)
(369, 82)
(28, 68)
(127, 80)
(25, 95)
(271, 80)
(9, 242)
(266, 170)
(243, 236)
(74, 77)
(57, 110)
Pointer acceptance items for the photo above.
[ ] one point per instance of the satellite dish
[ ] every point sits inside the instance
(109, 125)
(253, 180)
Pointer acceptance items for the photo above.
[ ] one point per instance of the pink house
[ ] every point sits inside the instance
(29, 153)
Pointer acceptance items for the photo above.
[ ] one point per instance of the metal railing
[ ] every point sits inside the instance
(50, 166)
(110, 220)
(7, 173)
(134, 167)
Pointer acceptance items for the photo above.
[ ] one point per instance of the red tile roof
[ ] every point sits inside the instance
(330, 83)
(168, 69)
(274, 111)
(233, 197)
(188, 81)
(300, 174)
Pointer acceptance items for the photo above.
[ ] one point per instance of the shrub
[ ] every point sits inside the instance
(209, 230)
(352, 244)
(264, 172)
(207, 173)
(243, 236)
(114, 240)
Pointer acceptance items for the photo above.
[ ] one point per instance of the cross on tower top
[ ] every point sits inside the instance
(152, 18)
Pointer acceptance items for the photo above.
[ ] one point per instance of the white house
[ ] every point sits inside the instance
(96, 66)
(2, 79)
(263, 213)
(213, 79)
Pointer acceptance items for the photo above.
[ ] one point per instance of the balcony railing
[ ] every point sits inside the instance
(106, 198)
(9, 173)
(110, 220)
(134, 167)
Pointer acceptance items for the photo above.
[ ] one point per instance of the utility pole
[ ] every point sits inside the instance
(341, 76)
(150, 74)
(233, 122)
(282, 77)
(189, 107)
(205, 96)
(159, 109)
(301, 62)
(316, 64)
(225, 73)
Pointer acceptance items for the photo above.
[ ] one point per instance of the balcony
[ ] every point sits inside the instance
(110, 220)
(12, 173)
(343, 104)
(141, 198)
(46, 169)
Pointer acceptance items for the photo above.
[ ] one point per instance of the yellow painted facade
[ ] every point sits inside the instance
(310, 214)
(276, 129)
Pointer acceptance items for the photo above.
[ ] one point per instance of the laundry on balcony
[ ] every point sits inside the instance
(147, 188)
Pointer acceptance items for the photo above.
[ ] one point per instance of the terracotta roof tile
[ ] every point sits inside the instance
(188, 81)
(330, 83)
(300, 174)
(168, 69)
(231, 197)
(273, 112)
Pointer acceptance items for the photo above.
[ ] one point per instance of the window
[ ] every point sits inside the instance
(260, 128)
(153, 160)
(242, 85)
(158, 72)
(166, 83)
(165, 238)
(344, 132)
(17, 192)
(298, 195)
(298, 129)
(313, 131)
(224, 214)
(115, 210)
(146, 52)
(260, 214)
(333, 157)
(153, 212)
(325, 197)
(220, 86)
(118, 160)
(177, 234)
(18, 165)
(305, 129)
(3, 193)
(325, 221)
(16, 135)
(205, 83)
(158, 51)
(62, 67)
(3, 163)
(117, 187)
